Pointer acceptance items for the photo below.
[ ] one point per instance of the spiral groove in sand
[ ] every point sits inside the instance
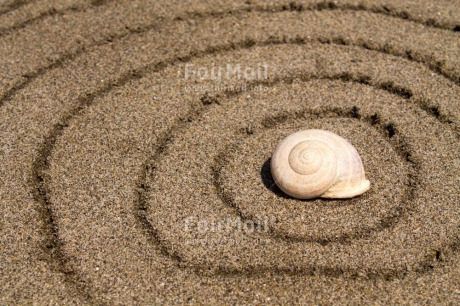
(115, 164)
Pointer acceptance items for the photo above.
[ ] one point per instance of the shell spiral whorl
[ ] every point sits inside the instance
(317, 163)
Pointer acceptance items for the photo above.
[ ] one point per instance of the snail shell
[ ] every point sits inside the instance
(318, 163)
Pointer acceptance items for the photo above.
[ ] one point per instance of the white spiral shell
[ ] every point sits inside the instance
(317, 163)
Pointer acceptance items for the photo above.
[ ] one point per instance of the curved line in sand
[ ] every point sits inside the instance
(153, 235)
(41, 164)
(362, 232)
(325, 5)
(14, 6)
(48, 13)
(66, 57)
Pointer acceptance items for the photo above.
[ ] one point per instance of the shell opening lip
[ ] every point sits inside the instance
(358, 190)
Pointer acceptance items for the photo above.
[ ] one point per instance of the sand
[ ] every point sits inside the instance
(128, 179)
